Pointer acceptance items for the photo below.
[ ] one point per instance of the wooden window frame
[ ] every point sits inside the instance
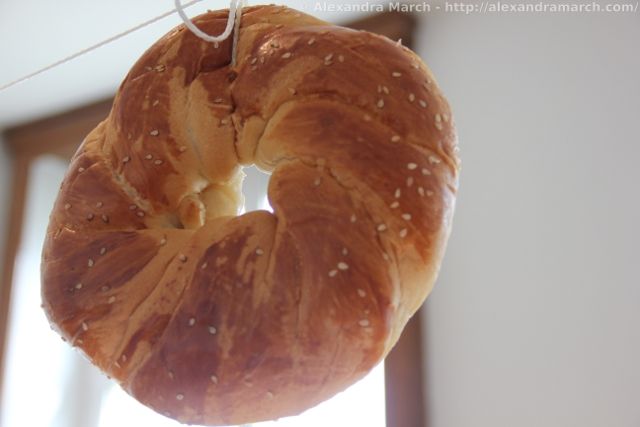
(61, 134)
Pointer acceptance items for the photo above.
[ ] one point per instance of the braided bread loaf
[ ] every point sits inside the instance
(213, 318)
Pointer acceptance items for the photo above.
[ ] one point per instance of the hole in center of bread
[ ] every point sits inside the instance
(254, 189)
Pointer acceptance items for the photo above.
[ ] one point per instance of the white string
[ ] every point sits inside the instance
(236, 32)
(233, 24)
(204, 36)
(94, 47)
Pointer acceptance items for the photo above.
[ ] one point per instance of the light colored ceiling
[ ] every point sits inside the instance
(36, 33)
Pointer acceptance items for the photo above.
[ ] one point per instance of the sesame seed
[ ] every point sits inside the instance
(345, 252)
(364, 323)
(343, 266)
(214, 379)
(85, 327)
(212, 330)
(99, 205)
(367, 118)
(434, 159)
(353, 218)
(385, 90)
(362, 293)
(380, 103)
(409, 181)
(270, 395)
(421, 191)
(341, 58)
(439, 125)
(397, 194)
(311, 41)
(406, 216)
(395, 138)
(158, 162)
(385, 256)
(170, 373)
(78, 285)
(412, 97)
(254, 60)
(292, 91)
(382, 227)
(140, 214)
(224, 121)
(396, 74)
(218, 101)
(67, 206)
(103, 251)
(204, 265)
(438, 118)
(445, 117)
(154, 132)
(182, 258)
(111, 299)
(423, 103)
(117, 365)
(379, 88)
(179, 396)
(148, 157)
(429, 193)
(163, 241)
(316, 182)
(394, 204)
(403, 233)
(81, 169)
(105, 288)
(426, 171)
(156, 102)
(328, 57)
(259, 251)
(411, 166)
(123, 357)
(133, 207)
(332, 273)
(192, 321)
(286, 55)
(90, 216)
(90, 263)
(105, 218)
(182, 149)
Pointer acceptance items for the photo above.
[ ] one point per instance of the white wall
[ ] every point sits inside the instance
(535, 320)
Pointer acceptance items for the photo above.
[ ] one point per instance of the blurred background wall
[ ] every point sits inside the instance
(535, 320)
(5, 188)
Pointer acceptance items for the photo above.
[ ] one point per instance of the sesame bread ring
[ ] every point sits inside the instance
(215, 318)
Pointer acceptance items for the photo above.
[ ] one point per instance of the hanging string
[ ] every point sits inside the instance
(236, 33)
(233, 24)
(179, 8)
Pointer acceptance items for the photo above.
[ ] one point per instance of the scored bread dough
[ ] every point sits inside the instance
(211, 317)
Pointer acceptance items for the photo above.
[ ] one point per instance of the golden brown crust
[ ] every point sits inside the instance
(213, 318)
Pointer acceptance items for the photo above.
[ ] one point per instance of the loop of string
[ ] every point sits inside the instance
(233, 24)
(179, 8)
